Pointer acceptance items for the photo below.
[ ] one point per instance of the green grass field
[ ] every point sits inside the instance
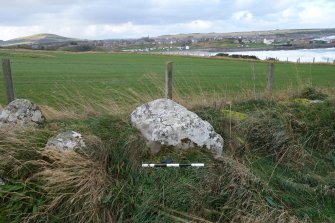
(45, 77)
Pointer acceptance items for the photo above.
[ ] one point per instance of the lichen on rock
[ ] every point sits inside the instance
(69, 140)
(163, 122)
(21, 112)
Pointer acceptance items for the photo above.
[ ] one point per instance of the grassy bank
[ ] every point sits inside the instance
(278, 166)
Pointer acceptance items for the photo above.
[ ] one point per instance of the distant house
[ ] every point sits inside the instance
(281, 44)
(318, 41)
(324, 40)
(268, 41)
(300, 41)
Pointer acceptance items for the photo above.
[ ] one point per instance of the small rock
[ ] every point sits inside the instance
(163, 122)
(21, 112)
(69, 140)
(2, 182)
(306, 102)
(316, 101)
(37, 116)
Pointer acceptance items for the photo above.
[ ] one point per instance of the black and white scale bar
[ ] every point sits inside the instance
(173, 165)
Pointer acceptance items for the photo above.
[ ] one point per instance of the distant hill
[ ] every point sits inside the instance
(37, 39)
(282, 39)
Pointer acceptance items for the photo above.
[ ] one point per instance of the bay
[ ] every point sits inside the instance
(326, 55)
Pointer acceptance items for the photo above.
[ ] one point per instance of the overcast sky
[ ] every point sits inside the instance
(103, 19)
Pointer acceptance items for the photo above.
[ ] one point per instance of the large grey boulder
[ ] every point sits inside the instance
(163, 122)
(21, 112)
(69, 140)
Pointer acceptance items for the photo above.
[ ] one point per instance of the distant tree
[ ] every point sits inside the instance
(24, 46)
(85, 47)
(222, 55)
(40, 47)
(147, 39)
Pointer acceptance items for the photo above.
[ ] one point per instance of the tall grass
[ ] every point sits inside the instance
(97, 75)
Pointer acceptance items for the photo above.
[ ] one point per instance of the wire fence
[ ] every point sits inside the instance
(32, 78)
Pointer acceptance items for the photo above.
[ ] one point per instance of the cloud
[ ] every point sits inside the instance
(245, 16)
(318, 12)
(9, 32)
(288, 13)
(100, 19)
(282, 4)
(242, 4)
(199, 24)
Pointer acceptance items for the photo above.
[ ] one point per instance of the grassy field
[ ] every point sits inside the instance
(45, 77)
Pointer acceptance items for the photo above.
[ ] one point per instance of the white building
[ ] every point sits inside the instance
(268, 41)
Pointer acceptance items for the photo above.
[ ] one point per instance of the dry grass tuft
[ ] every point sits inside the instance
(75, 187)
(242, 191)
(51, 113)
(271, 132)
(18, 145)
(73, 104)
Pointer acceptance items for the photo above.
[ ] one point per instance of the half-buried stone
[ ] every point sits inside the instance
(69, 140)
(163, 122)
(21, 112)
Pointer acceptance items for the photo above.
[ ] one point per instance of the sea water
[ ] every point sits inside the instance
(304, 55)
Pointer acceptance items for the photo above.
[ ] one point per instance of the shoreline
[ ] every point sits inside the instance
(304, 55)
(276, 48)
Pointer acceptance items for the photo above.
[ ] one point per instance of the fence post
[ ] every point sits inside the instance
(270, 77)
(168, 80)
(313, 59)
(7, 72)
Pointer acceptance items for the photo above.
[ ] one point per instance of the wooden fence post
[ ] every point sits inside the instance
(270, 77)
(168, 80)
(7, 72)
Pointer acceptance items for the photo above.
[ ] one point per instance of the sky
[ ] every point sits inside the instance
(111, 19)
